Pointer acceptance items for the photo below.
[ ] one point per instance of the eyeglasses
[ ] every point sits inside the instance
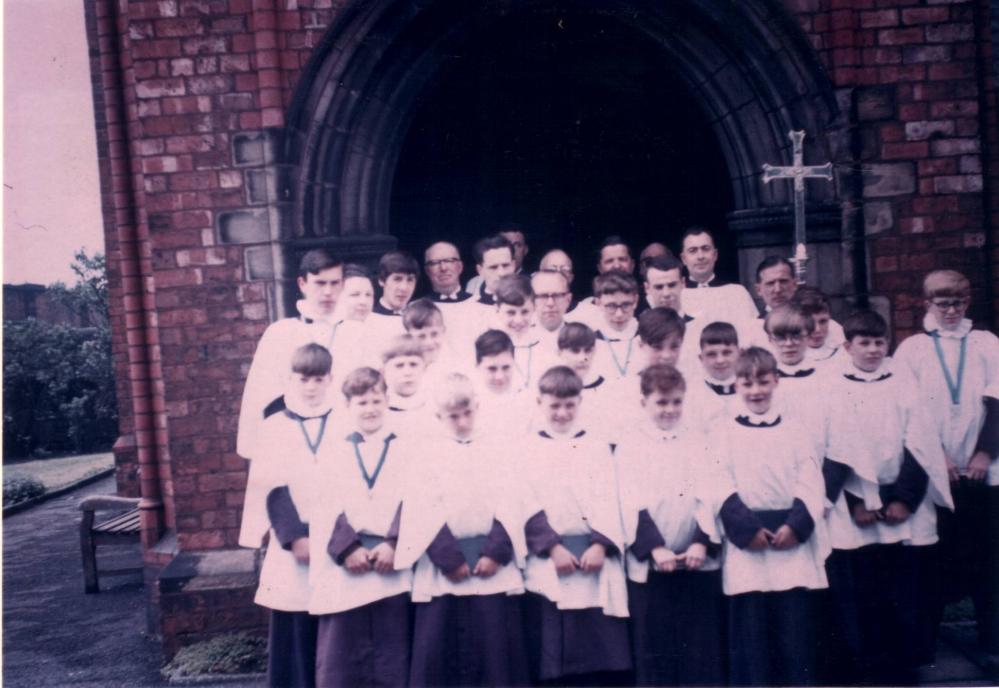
(949, 304)
(442, 262)
(553, 296)
(562, 270)
(623, 307)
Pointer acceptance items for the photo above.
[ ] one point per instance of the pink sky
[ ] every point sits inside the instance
(51, 199)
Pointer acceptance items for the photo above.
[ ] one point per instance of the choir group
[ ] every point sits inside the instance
(652, 485)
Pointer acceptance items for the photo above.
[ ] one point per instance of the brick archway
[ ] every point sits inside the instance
(752, 70)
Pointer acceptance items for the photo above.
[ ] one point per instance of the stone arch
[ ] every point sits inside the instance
(750, 67)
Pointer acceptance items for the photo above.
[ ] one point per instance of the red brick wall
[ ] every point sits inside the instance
(915, 67)
(176, 82)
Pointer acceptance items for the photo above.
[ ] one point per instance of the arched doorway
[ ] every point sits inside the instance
(748, 69)
(575, 127)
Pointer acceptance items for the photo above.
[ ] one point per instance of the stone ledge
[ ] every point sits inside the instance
(212, 570)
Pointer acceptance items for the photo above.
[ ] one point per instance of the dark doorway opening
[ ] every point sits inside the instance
(573, 126)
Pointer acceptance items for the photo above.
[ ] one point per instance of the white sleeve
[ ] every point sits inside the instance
(264, 384)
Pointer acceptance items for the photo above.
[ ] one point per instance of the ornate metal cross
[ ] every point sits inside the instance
(799, 172)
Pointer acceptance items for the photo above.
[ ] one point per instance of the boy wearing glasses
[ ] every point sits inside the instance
(616, 294)
(955, 367)
(551, 302)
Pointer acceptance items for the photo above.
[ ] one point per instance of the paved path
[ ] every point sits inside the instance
(55, 635)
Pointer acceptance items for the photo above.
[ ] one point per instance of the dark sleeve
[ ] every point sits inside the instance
(598, 538)
(284, 517)
(393, 532)
(343, 540)
(647, 537)
(800, 521)
(444, 551)
(910, 486)
(701, 538)
(498, 546)
(741, 524)
(835, 475)
(988, 438)
(540, 535)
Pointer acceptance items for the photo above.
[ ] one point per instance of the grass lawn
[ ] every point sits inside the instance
(56, 473)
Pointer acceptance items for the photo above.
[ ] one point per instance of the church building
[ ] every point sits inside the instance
(234, 135)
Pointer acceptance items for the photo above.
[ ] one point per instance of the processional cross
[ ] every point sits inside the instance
(799, 172)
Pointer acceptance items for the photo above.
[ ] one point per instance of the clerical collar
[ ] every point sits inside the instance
(857, 375)
(454, 297)
(596, 383)
(485, 297)
(763, 420)
(398, 403)
(799, 370)
(722, 388)
(379, 436)
(549, 436)
(693, 284)
(933, 328)
(310, 316)
(299, 412)
(381, 309)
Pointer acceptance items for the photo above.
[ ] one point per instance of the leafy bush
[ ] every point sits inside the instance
(231, 653)
(21, 489)
(59, 393)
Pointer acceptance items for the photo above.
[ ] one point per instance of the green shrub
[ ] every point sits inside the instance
(21, 489)
(231, 653)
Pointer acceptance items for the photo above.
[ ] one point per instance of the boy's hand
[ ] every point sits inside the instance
(896, 513)
(564, 560)
(382, 557)
(784, 538)
(593, 558)
(863, 517)
(459, 574)
(300, 550)
(952, 471)
(978, 468)
(760, 541)
(358, 561)
(664, 560)
(485, 567)
(694, 557)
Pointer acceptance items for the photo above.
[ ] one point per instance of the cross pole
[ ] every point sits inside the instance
(799, 172)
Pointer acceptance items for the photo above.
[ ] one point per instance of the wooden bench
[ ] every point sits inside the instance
(118, 530)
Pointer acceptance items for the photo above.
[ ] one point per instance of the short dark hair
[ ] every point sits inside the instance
(662, 263)
(315, 261)
(786, 320)
(397, 262)
(864, 324)
(576, 337)
(313, 360)
(560, 382)
(488, 244)
(355, 270)
(514, 290)
(403, 345)
(656, 325)
(694, 230)
(420, 313)
(661, 378)
(810, 300)
(614, 281)
(773, 261)
(492, 343)
(754, 362)
(719, 333)
(360, 381)
(612, 240)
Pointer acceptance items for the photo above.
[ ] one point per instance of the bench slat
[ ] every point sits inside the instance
(125, 523)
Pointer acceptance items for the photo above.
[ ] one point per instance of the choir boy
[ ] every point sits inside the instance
(280, 500)
(361, 600)
(515, 316)
(769, 485)
(616, 295)
(351, 336)
(578, 604)
(599, 413)
(664, 288)
(879, 460)
(674, 586)
(320, 279)
(503, 408)
(614, 254)
(397, 273)
(954, 367)
(827, 338)
(404, 368)
(455, 529)
(712, 382)
(424, 320)
(707, 296)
